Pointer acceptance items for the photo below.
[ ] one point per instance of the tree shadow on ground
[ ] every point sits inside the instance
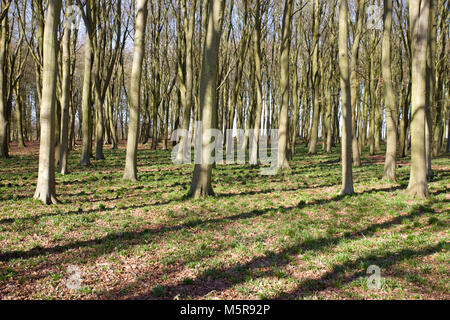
(129, 238)
(203, 286)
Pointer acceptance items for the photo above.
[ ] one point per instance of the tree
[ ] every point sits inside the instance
(65, 93)
(201, 181)
(354, 82)
(187, 99)
(4, 113)
(135, 89)
(390, 163)
(284, 85)
(347, 176)
(258, 82)
(315, 78)
(45, 190)
(419, 15)
(86, 95)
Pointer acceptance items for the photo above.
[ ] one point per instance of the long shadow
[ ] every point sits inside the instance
(80, 213)
(267, 191)
(203, 287)
(340, 272)
(136, 236)
(133, 237)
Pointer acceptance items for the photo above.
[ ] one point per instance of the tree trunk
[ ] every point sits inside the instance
(355, 84)
(284, 85)
(86, 98)
(419, 15)
(135, 89)
(347, 177)
(390, 163)
(45, 189)
(201, 182)
(189, 90)
(65, 97)
(315, 79)
(4, 141)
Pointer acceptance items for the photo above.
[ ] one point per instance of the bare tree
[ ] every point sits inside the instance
(201, 181)
(45, 190)
(135, 89)
(419, 15)
(284, 84)
(390, 163)
(347, 175)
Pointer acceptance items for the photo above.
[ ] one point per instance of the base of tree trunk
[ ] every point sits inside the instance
(284, 165)
(418, 191)
(201, 192)
(347, 190)
(430, 175)
(390, 177)
(85, 161)
(389, 174)
(62, 170)
(130, 176)
(46, 197)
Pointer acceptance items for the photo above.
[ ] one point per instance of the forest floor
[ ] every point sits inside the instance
(288, 236)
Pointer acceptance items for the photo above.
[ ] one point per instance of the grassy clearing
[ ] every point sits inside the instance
(287, 236)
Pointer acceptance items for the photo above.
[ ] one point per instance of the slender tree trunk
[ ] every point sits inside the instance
(45, 190)
(135, 89)
(284, 85)
(390, 163)
(419, 15)
(347, 176)
(65, 97)
(431, 86)
(258, 84)
(189, 90)
(19, 115)
(4, 141)
(439, 124)
(355, 84)
(315, 79)
(86, 99)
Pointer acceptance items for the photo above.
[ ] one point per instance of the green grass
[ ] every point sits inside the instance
(262, 237)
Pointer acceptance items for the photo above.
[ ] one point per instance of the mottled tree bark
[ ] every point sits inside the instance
(135, 89)
(45, 189)
(347, 175)
(315, 79)
(201, 181)
(65, 93)
(419, 15)
(390, 163)
(284, 85)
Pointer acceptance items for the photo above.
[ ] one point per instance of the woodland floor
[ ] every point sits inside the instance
(262, 237)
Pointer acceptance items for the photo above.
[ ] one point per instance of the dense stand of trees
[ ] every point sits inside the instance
(324, 73)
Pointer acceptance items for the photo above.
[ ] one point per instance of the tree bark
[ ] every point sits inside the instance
(201, 182)
(65, 97)
(355, 84)
(258, 83)
(135, 89)
(315, 80)
(86, 98)
(347, 175)
(284, 85)
(390, 163)
(45, 190)
(4, 141)
(419, 15)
